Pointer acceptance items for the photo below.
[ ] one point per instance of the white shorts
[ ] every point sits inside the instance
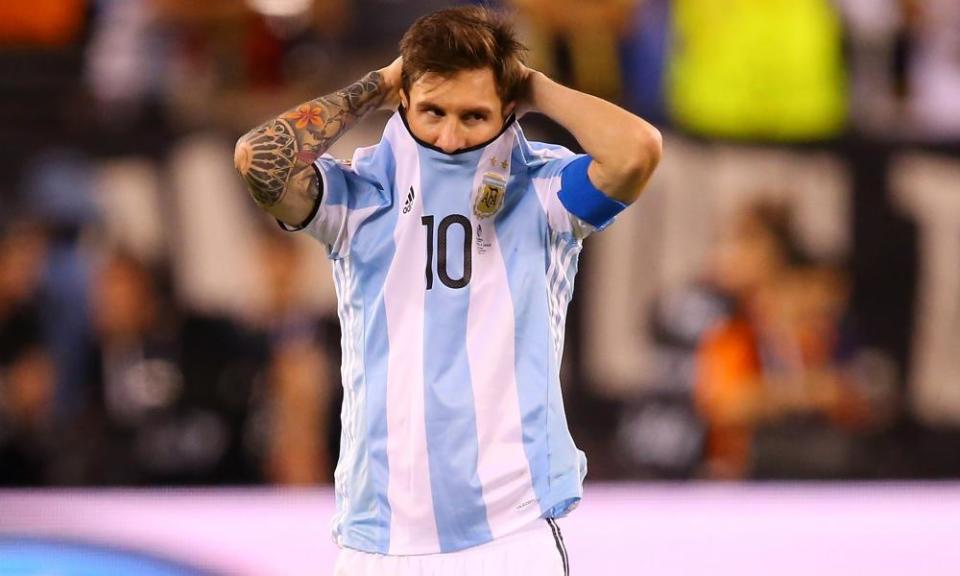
(536, 550)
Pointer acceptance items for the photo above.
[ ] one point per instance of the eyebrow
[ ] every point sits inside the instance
(481, 110)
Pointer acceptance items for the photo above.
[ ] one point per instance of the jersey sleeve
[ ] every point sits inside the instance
(345, 198)
(572, 203)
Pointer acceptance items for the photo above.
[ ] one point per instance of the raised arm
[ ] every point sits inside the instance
(275, 159)
(625, 148)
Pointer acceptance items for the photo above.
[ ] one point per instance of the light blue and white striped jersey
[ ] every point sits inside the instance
(453, 274)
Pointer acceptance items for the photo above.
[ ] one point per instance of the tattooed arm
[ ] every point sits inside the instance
(275, 159)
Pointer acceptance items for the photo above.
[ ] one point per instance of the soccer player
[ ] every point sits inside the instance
(454, 244)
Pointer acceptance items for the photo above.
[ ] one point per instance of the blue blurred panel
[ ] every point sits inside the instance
(33, 557)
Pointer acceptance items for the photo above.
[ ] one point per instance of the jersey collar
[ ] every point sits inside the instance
(506, 125)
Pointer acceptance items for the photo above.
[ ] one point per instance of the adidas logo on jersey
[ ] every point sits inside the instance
(408, 203)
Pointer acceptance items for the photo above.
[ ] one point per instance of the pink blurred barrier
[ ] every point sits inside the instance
(657, 529)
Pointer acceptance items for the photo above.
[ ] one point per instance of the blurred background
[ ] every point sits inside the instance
(783, 302)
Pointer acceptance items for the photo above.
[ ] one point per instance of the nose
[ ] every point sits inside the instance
(451, 137)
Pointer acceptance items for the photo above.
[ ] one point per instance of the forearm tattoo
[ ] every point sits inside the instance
(282, 150)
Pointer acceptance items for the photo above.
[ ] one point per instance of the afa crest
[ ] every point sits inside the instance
(490, 196)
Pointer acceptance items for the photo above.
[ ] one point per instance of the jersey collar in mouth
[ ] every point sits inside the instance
(509, 122)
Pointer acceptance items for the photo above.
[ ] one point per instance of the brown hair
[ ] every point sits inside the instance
(464, 38)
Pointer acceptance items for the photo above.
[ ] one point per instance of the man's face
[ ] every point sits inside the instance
(455, 112)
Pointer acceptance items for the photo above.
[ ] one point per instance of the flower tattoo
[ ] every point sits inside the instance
(305, 115)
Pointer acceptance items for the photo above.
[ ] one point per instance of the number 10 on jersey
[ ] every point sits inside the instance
(441, 244)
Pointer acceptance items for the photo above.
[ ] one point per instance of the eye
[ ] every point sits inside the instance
(475, 117)
(434, 112)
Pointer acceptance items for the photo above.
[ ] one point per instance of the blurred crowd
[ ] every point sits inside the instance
(107, 378)
(156, 329)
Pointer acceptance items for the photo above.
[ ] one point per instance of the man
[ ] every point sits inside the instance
(454, 244)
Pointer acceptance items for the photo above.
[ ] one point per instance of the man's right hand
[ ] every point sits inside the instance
(393, 79)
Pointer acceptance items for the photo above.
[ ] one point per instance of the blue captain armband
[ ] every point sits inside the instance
(582, 199)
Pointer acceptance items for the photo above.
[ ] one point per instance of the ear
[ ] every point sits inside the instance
(509, 109)
(404, 101)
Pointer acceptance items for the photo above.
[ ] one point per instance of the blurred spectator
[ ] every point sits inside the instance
(125, 59)
(57, 193)
(139, 384)
(579, 42)
(873, 29)
(295, 408)
(645, 55)
(905, 76)
(786, 360)
(27, 424)
(379, 24)
(184, 396)
(661, 433)
(934, 67)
